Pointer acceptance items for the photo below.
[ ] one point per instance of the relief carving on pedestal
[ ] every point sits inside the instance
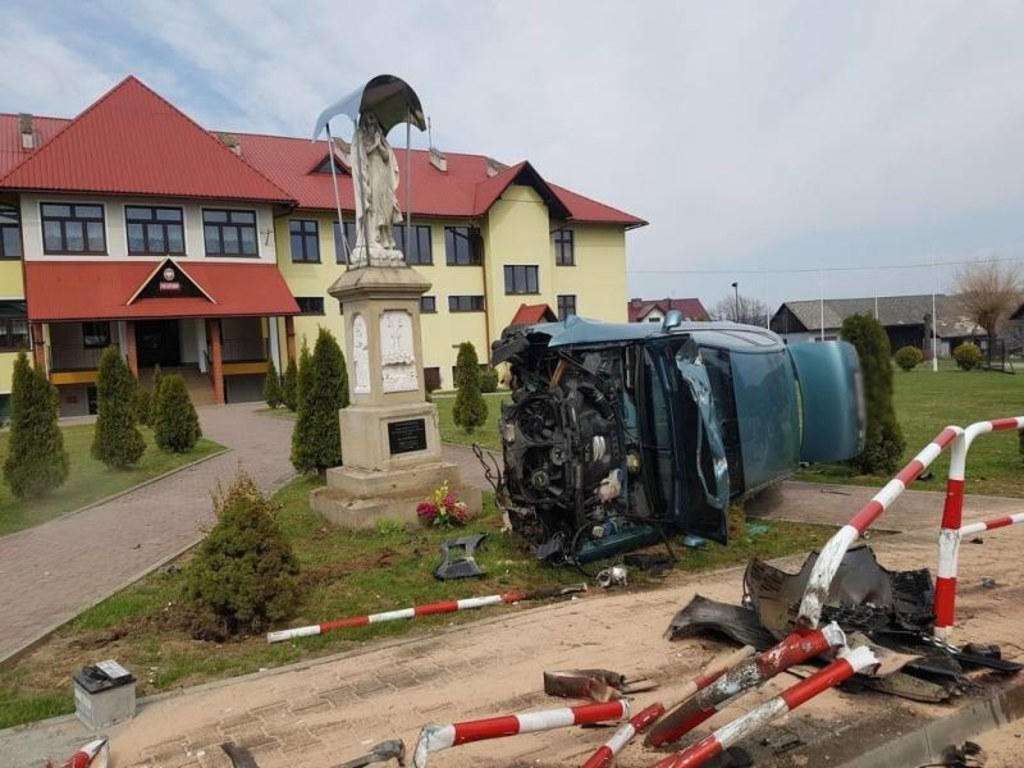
(360, 356)
(397, 352)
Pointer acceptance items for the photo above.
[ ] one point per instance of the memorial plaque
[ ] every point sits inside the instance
(407, 436)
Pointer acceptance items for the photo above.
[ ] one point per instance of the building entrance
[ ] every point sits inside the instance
(158, 342)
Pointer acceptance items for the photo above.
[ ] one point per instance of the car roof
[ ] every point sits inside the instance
(581, 330)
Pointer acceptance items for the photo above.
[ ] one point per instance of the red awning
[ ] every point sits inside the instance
(110, 290)
(531, 314)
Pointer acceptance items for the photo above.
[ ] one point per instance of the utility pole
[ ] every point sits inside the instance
(736, 289)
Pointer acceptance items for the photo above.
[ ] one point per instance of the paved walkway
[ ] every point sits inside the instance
(52, 572)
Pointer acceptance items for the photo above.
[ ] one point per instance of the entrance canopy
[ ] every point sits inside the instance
(110, 290)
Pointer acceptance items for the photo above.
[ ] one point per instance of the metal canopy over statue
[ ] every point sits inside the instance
(389, 434)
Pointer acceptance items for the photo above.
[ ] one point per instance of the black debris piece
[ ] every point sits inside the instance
(458, 559)
(704, 616)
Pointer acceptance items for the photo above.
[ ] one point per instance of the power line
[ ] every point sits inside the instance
(815, 270)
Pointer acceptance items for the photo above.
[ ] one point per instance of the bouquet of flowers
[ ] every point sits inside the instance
(443, 510)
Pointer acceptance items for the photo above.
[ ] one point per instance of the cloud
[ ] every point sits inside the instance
(767, 136)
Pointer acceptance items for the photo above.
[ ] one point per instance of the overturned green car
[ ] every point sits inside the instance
(617, 435)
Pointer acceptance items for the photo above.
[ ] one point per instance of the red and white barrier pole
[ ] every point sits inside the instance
(832, 553)
(448, 606)
(723, 738)
(85, 756)
(434, 738)
(795, 649)
(952, 520)
(637, 724)
(990, 525)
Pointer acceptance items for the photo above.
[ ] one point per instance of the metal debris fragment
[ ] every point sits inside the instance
(458, 558)
(392, 749)
(616, 576)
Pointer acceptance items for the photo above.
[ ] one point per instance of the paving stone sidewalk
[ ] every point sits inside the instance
(50, 573)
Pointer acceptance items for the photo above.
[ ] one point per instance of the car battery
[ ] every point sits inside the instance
(104, 694)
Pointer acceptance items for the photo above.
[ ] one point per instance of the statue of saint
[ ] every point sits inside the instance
(375, 183)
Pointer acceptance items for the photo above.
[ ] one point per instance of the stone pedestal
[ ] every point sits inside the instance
(389, 435)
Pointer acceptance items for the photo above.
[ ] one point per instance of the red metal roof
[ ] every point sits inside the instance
(132, 141)
(691, 309)
(530, 314)
(465, 190)
(101, 290)
(11, 153)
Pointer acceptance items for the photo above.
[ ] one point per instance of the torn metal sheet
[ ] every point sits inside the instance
(704, 616)
(458, 558)
(392, 749)
(594, 684)
(240, 756)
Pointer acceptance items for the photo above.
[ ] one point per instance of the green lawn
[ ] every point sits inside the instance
(926, 402)
(486, 436)
(89, 480)
(343, 574)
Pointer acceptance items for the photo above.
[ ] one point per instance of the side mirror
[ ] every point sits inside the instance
(673, 319)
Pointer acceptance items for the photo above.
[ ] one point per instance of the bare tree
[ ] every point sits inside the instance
(990, 291)
(742, 309)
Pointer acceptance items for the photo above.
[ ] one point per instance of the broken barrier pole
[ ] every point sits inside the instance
(990, 525)
(448, 606)
(636, 724)
(86, 755)
(434, 738)
(832, 553)
(752, 672)
(952, 520)
(839, 670)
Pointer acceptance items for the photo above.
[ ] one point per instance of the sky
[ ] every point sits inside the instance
(801, 149)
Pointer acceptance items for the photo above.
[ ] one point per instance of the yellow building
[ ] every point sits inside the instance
(211, 253)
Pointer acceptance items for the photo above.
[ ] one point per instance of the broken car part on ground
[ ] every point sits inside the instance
(619, 434)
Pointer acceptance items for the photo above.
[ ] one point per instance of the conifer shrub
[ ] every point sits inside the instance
(175, 421)
(245, 570)
(272, 392)
(37, 462)
(158, 376)
(470, 409)
(884, 441)
(143, 405)
(289, 386)
(967, 356)
(908, 357)
(323, 388)
(488, 381)
(302, 374)
(117, 441)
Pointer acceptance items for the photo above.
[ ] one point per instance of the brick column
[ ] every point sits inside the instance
(131, 350)
(289, 336)
(216, 361)
(38, 346)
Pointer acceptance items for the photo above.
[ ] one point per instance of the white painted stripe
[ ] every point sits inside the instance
(742, 726)
(929, 454)
(530, 722)
(834, 634)
(860, 658)
(958, 456)
(432, 739)
(404, 613)
(967, 530)
(890, 492)
(949, 553)
(288, 634)
(621, 738)
(824, 571)
(479, 602)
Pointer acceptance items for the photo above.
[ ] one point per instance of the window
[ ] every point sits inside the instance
(10, 232)
(325, 167)
(339, 246)
(305, 241)
(230, 233)
(431, 378)
(428, 304)
(463, 246)
(73, 228)
(310, 305)
(566, 306)
(465, 303)
(421, 251)
(13, 333)
(155, 231)
(95, 335)
(565, 252)
(520, 278)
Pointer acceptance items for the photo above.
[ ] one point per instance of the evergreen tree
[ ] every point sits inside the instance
(272, 386)
(289, 385)
(884, 441)
(158, 376)
(316, 439)
(175, 422)
(143, 404)
(470, 409)
(302, 376)
(117, 442)
(36, 462)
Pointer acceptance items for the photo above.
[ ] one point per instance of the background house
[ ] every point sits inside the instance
(210, 253)
(654, 310)
(906, 320)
